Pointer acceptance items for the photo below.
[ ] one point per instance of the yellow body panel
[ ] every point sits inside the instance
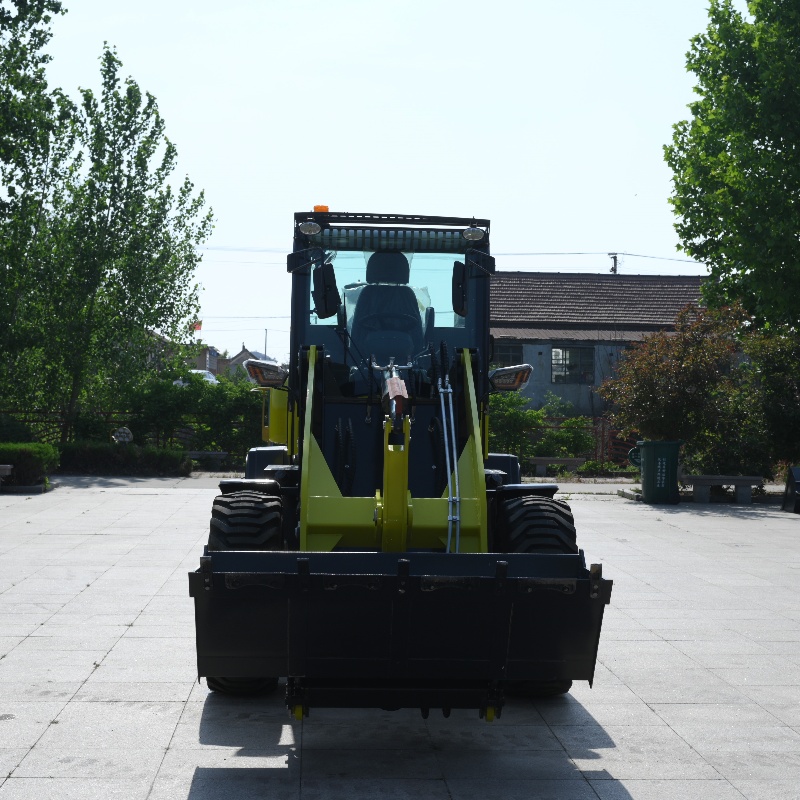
(391, 521)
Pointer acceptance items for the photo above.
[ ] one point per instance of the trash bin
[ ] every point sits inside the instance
(659, 464)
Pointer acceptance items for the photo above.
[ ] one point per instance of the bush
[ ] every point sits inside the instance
(591, 467)
(101, 458)
(32, 462)
(13, 430)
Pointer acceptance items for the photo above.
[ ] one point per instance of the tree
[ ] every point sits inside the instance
(511, 425)
(126, 242)
(108, 271)
(695, 386)
(736, 163)
(31, 152)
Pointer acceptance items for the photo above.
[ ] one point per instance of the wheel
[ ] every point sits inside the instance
(245, 521)
(535, 524)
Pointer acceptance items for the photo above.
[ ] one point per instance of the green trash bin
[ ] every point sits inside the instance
(659, 465)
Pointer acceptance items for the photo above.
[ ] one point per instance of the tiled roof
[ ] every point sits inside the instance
(571, 334)
(547, 300)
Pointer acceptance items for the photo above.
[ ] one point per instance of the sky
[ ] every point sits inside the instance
(547, 118)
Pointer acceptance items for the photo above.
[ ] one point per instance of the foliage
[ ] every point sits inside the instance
(665, 386)
(32, 462)
(736, 164)
(14, 430)
(511, 424)
(101, 458)
(568, 438)
(773, 374)
(100, 273)
(592, 467)
(731, 392)
(526, 432)
(29, 159)
(201, 415)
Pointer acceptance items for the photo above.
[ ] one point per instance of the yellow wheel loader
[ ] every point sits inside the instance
(376, 554)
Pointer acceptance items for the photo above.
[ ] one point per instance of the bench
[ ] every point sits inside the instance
(543, 462)
(701, 486)
(216, 457)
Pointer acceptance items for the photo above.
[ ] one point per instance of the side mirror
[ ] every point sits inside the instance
(325, 294)
(510, 379)
(460, 288)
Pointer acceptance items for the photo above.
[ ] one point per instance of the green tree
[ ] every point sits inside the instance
(665, 386)
(512, 423)
(126, 246)
(736, 162)
(33, 143)
(697, 386)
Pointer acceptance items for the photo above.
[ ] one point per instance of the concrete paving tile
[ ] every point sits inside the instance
(10, 757)
(489, 737)
(350, 764)
(100, 691)
(706, 739)
(8, 643)
(632, 752)
(767, 789)
(499, 765)
(369, 789)
(512, 789)
(712, 789)
(43, 691)
(254, 780)
(264, 730)
(117, 725)
(73, 789)
(22, 723)
(72, 760)
(679, 686)
(756, 766)
(601, 714)
(747, 715)
(763, 674)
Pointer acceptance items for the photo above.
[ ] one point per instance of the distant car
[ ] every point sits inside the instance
(203, 373)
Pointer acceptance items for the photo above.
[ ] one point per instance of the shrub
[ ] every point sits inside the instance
(32, 462)
(101, 458)
(14, 430)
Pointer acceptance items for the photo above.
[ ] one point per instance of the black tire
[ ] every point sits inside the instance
(535, 524)
(245, 521)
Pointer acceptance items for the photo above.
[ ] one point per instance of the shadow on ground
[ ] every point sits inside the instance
(355, 754)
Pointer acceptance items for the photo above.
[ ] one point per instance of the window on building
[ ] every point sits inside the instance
(573, 365)
(507, 354)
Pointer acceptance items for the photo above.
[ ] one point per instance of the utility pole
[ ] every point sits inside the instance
(613, 257)
(265, 342)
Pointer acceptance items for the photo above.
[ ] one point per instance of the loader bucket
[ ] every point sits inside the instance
(392, 630)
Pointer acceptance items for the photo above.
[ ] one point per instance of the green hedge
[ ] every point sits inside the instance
(99, 458)
(32, 462)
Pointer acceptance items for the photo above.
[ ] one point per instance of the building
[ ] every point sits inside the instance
(572, 328)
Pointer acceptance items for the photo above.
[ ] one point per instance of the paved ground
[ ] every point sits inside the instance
(697, 694)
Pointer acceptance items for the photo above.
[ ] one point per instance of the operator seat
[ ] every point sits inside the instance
(386, 320)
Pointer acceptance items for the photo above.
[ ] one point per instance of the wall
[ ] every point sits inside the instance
(582, 396)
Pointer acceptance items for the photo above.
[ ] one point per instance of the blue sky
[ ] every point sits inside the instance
(547, 118)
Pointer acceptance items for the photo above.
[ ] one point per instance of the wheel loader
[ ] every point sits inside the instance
(375, 554)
